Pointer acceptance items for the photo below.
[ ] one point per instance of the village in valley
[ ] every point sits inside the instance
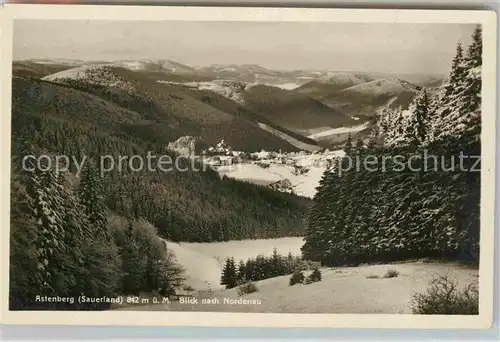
(292, 172)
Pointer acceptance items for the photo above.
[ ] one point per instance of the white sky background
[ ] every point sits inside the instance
(373, 47)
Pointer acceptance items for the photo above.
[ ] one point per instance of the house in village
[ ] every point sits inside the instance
(222, 160)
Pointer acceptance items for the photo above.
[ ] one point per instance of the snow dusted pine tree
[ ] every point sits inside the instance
(421, 118)
(458, 93)
(326, 224)
(92, 197)
(47, 212)
(470, 104)
(28, 272)
(229, 276)
(457, 72)
(390, 126)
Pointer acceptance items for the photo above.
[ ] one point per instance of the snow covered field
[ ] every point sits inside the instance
(303, 185)
(342, 290)
(203, 261)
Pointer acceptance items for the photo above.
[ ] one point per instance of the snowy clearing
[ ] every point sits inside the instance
(203, 261)
(349, 290)
(339, 130)
(295, 142)
(286, 86)
(303, 184)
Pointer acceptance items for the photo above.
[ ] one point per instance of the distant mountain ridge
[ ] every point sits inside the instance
(292, 106)
(239, 70)
(175, 110)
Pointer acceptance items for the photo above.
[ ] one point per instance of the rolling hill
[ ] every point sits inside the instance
(292, 110)
(156, 65)
(331, 83)
(248, 105)
(253, 73)
(367, 99)
(174, 110)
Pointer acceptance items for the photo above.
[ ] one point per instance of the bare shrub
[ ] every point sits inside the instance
(391, 274)
(187, 288)
(247, 288)
(444, 298)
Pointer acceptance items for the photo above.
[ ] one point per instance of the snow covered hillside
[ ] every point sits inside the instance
(74, 73)
(99, 74)
(350, 290)
(286, 86)
(203, 261)
(343, 78)
(384, 86)
(163, 65)
(232, 90)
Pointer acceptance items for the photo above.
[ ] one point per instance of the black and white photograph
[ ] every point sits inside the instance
(250, 166)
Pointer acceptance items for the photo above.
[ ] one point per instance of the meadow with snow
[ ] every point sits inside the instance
(203, 262)
(347, 290)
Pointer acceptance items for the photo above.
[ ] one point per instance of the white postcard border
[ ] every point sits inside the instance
(8, 13)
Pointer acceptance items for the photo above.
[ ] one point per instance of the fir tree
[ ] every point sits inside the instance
(457, 72)
(242, 271)
(49, 220)
(421, 117)
(475, 51)
(134, 264)
(315, 276)
(229, 274)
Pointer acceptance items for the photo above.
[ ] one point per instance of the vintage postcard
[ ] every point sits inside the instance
(248, 167)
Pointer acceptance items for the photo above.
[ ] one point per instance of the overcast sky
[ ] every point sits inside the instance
(375, 47)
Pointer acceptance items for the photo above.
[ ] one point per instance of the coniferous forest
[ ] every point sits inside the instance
(428, 210)
(60, 224)
(102, 235)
